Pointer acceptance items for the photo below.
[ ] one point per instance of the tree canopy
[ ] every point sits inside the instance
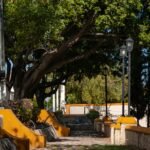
(69, 37)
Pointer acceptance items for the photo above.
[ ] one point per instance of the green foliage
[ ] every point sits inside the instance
(24, 114)
(34, 102)
(74, 91)
(22, 109)
(27, 114)
(25, 110)
(32, 24)
(48, 104)
(25, 20)
(92, 90)
(93, 114)
(144, 35)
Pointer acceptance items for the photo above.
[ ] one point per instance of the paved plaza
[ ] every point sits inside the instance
(76, 143)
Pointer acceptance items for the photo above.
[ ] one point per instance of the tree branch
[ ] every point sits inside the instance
(49, 60)
(60, 63)
(75, 38)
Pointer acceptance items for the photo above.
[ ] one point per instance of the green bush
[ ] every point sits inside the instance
(93, 114)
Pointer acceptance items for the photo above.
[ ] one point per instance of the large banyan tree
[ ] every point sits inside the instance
(51, 40)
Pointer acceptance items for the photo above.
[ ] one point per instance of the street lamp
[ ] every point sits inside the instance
(129, 46)
(123, 54)
(106, 98)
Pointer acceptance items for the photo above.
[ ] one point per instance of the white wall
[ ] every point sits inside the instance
(114, 110)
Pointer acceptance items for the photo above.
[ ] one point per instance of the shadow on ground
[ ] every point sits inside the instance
(91, 147)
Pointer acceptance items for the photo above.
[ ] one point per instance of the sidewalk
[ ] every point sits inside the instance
(77, 143)
(82, 136)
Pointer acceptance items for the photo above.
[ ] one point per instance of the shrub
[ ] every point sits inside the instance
(93, 114)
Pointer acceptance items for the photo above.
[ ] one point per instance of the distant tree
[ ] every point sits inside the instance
(92, 90)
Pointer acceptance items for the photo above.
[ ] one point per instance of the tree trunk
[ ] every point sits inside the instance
(40, 103)
(138, 122)
(19, 87)
(40, 96)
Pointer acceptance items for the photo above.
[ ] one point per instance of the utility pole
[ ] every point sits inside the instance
(2, 56)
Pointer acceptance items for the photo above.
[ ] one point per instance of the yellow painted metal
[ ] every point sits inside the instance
(49, 118)
(126, 120)
(21, 143)
(12, 125)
